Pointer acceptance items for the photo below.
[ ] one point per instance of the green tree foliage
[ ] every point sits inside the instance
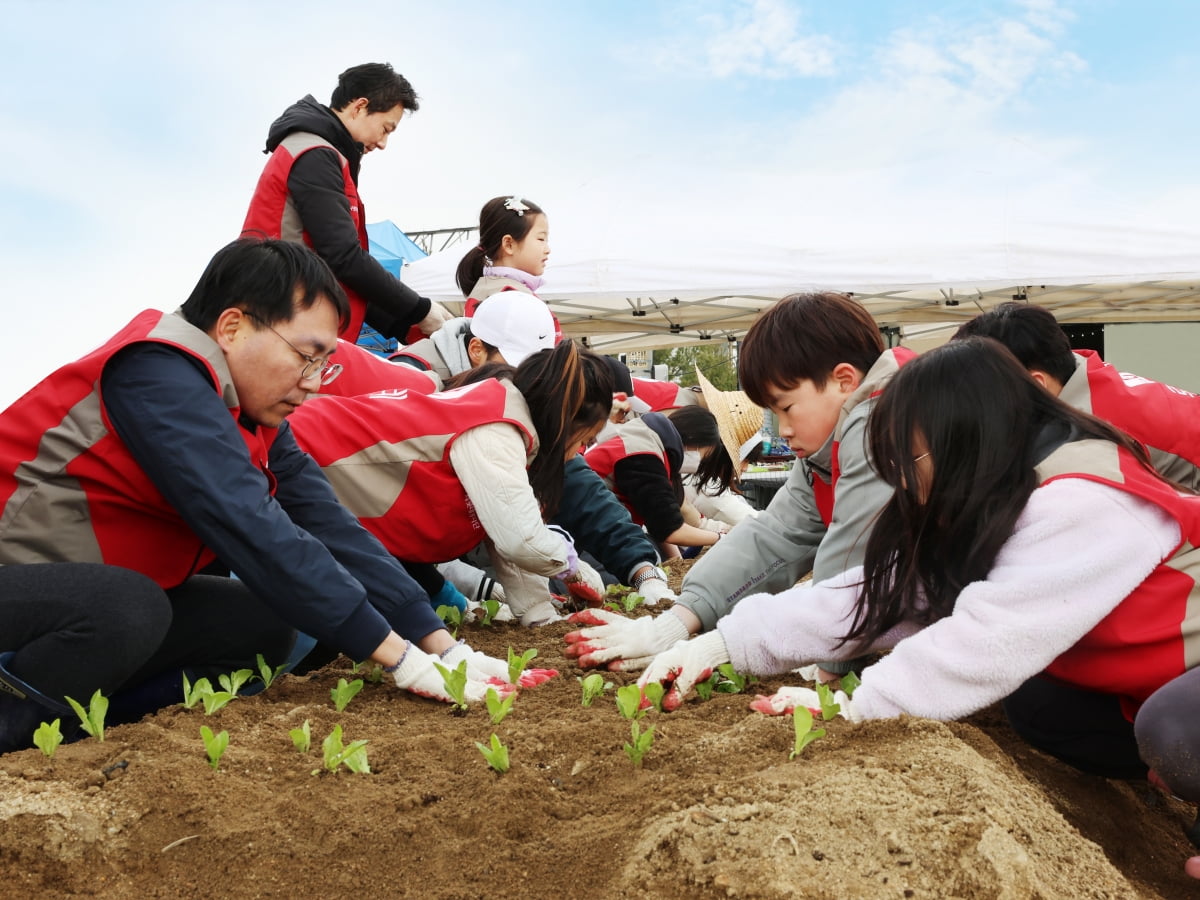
(714, 359)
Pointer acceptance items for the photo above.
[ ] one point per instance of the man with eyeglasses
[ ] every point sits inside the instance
(131, 469)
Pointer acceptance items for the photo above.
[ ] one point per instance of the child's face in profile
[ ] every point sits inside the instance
(807, 414)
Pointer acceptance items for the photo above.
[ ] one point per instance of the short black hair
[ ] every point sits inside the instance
(268, 279)
(1032, 335)
(383, 87)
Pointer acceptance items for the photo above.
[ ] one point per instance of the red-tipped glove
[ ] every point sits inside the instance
(619, 643)
(493, 671)
(585, 585)
(786, 699)
(686, 663)
(415, 671)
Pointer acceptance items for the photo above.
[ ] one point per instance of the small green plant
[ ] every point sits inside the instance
(93, 717)
(490, 606)
(850, 683)
(654, 693)
(497, 708)
(829, 707)
(48, 736)
(496, 754)
(802, 720)
(456, 685)
(302, 737)
(518, 662)
(214, 745)
(725, 680)
(619, 598)
(452, 616)
(370, 670)
(234, 680)
(629, 701)
(194, 693)
(640, 742)
(345, 692)
(593, 686)
(215, 700)
(353, 755)
(265, 672)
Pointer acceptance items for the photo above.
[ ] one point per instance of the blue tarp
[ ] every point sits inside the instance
(391, 246)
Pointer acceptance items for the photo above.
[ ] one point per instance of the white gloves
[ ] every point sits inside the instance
(784, 700)
(714, 525)
(619, 643)
(687, 662)
(415, 672)
(437, 316)
(655, 591)
(481, 667)
(585, 584)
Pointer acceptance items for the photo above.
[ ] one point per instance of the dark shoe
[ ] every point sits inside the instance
(23, 708)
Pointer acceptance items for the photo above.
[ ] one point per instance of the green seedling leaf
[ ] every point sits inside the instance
(214, 745)
(497, 708)
(92, 718)
(829, 708)
(593, 686)
(353, 755)
(345, 692)
(704, 689)
(302, 737)
(47, 737)
(517, 664)
(491, 606)
(496, 754)
(452, 616)
(215, 700)
(850, 683)
(629, 701)
(370, 670)
(234, 680)
(731, 682)
(456, 684)
(802, 720)
(640, 742)
(194, 693)
(654, 693)
(265, 672)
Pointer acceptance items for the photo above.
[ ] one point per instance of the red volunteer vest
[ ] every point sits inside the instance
(636, 438)
(662, 395)
(71, 491)
(387, 456)
(1153, 635)
(273, 214)
(365, 373)
(874, 382)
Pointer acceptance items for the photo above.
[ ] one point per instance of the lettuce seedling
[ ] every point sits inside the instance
(194, 693)
(496, 754)
(497, 708)
(302, 737)
(629, 701)
(731, 682)
(456, 685)
(215, 700)
(593, 686)
(266, 673)
(214, 745)
(829, 708)
(654, 692)
(802, 720)
(234, 680)
(371, 671)
(48, 736)
(92, 718)
(850, 683)
(490, 606)
(517, 663)
(345, 692)
(452, 616)
(353, 755)
(622, 599)
(640, 742)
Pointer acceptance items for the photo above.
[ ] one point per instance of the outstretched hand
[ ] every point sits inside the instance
(619, 643)
(687, 662)
(490, 670)
(786, 699)
(416, 672)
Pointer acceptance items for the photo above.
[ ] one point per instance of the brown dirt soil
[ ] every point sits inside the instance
(903, 808)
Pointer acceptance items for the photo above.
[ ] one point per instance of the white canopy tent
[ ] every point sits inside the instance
(670, 295)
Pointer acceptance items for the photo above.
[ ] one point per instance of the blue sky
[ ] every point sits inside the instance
(133, 130)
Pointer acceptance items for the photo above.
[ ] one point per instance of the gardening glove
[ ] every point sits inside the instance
(619, 643)
(437, 316)
(655, 590)
(714, 525)
(687, 662)
(449, 595)
(585, 585)
(415, 672)
(784, 700)
(494, 671)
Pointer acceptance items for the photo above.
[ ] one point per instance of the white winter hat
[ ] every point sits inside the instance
(515, 323)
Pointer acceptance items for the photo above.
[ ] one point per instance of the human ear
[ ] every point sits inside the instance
(846, 377)
(476, 352)
(228, 326)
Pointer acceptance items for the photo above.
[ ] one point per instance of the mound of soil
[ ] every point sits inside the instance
(902, 808)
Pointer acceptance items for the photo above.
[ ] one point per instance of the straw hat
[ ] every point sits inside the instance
(738, 419)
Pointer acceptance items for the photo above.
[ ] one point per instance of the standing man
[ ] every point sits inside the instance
(308, 192)
(131, 469)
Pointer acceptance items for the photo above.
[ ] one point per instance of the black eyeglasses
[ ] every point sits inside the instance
(318, 367)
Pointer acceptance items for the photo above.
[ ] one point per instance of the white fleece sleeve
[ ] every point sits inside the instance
(1078, 549)
(490, 464)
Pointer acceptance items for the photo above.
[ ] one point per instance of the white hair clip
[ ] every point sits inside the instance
(515, 204)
